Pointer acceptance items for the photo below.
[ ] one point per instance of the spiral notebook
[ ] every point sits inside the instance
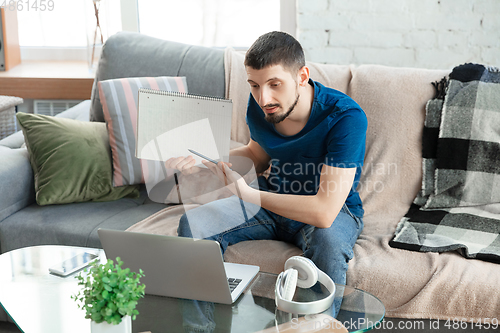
(169, 123)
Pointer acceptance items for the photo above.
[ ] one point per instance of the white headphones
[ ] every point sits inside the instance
(302, 272)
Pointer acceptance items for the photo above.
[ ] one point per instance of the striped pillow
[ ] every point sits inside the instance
(119, 103)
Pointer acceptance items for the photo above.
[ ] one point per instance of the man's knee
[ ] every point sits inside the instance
(336, 251)
(330, 249)
(184, 230)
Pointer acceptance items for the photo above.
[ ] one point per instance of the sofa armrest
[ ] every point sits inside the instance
(16, 174)
(13, 141)
(16, 177)
(81, 111)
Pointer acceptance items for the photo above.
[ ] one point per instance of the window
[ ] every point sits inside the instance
(63, 30)
(62, 26)
(209, 22)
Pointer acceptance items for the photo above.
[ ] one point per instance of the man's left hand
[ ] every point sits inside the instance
(233, 180)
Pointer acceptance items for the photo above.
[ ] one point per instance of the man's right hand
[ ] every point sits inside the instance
(184, 164)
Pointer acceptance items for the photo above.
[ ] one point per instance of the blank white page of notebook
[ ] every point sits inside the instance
(170, 123)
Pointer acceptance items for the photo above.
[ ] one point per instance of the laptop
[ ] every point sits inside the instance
(178, 266)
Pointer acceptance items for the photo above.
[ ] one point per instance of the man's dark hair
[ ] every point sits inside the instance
(276, 48)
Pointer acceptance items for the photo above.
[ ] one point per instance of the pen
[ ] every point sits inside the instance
(203, 156)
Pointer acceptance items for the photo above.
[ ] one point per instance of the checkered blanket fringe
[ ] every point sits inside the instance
(458, 207)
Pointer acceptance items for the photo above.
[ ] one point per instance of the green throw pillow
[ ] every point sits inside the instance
(71, 160)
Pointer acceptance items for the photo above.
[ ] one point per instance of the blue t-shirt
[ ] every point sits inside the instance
(334, 135)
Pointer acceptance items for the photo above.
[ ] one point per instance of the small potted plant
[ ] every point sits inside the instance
(109, 296)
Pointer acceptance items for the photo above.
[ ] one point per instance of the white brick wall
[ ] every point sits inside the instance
(407, 33)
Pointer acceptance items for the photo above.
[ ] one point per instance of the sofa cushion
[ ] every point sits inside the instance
(129, 54)
(70, 159)
(119, 100)
(410, 284)
(394, 101)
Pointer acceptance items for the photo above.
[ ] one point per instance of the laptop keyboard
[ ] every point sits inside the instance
(233, 283)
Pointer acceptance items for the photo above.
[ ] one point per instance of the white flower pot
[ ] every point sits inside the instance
(125, 326)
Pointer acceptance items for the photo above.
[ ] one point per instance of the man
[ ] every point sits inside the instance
(313, 139)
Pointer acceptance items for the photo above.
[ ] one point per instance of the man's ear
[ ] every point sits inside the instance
(303, 76)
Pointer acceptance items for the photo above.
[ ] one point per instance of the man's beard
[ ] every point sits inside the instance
(274, 118)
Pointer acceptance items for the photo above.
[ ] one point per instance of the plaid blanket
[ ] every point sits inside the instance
(458, 207)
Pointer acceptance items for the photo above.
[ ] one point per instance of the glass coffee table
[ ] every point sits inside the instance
(38, 301)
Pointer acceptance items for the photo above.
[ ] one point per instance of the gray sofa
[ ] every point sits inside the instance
(24, 223)
(410, 284)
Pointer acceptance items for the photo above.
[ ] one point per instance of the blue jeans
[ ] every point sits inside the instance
(223, 221)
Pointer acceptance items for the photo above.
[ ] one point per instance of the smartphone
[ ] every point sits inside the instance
(203, 156)
(74, 264)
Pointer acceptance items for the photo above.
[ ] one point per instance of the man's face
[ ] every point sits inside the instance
(275, 90)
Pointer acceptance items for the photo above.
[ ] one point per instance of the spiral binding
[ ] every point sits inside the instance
(181, 94)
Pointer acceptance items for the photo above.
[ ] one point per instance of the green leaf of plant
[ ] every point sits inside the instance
(109, 292)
